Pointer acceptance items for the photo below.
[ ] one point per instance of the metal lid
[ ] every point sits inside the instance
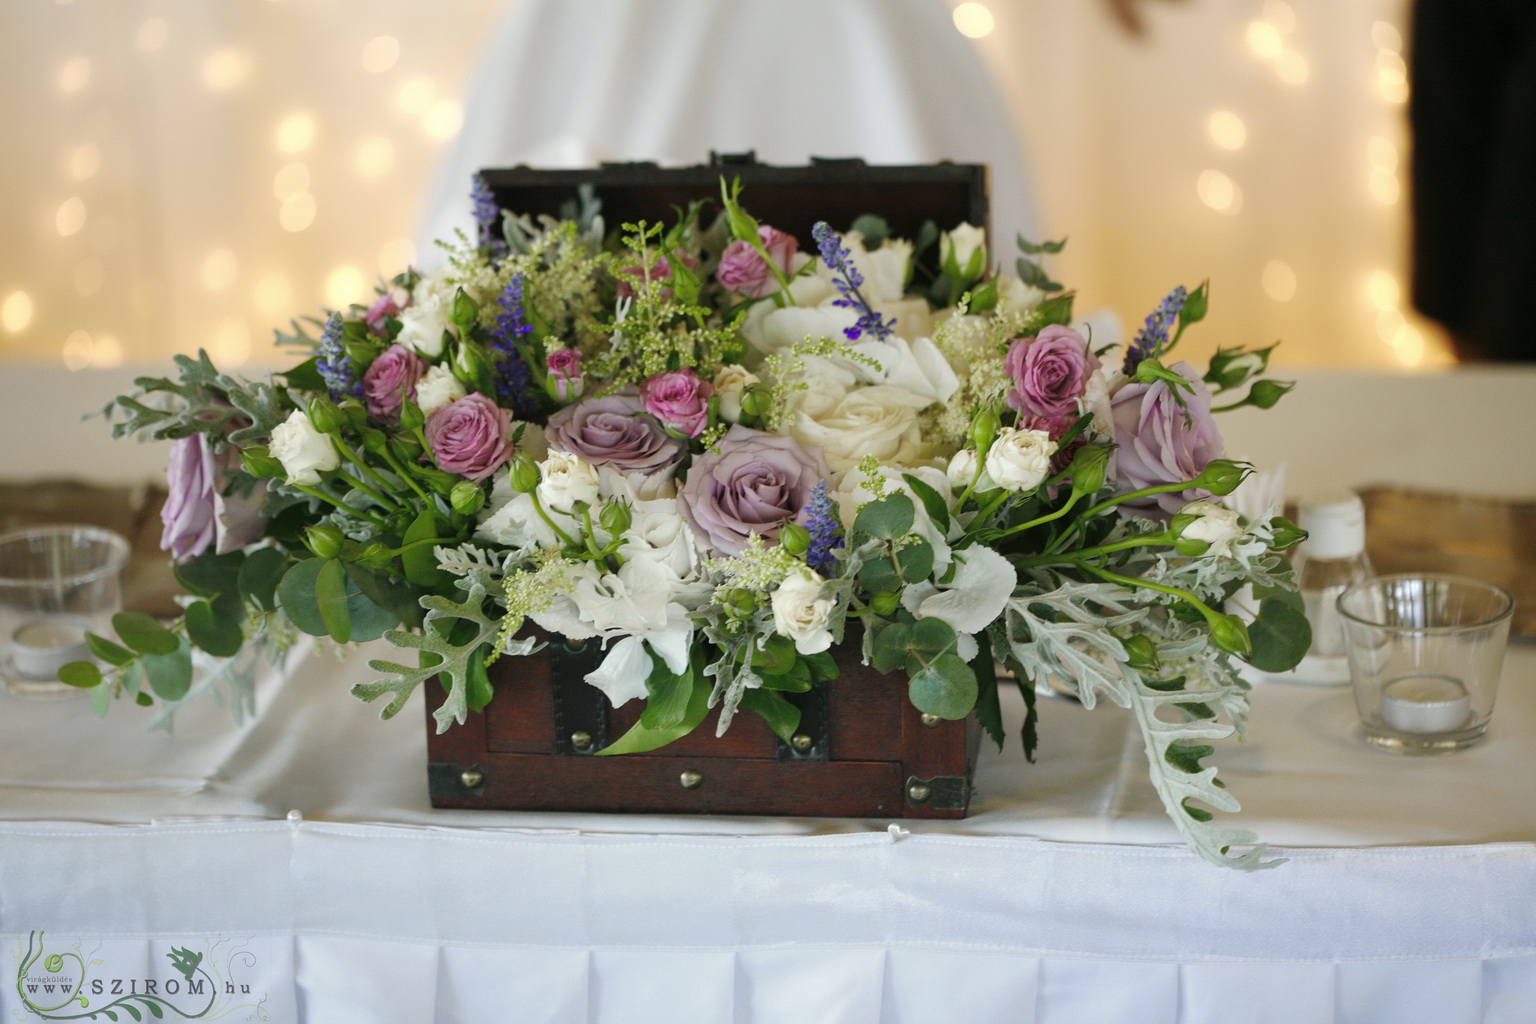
(1335, 524)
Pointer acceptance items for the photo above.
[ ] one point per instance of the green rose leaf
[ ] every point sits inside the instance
(888, 517)
(946, 688)
(1280, 635)
(420, 562)
(933, 504)
(220, 636)
(142, 633)
(988, 709)
(789, 684)
(478, 690)
(782, 716)
(667, 693)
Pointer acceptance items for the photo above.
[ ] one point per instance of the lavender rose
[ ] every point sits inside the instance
(470, 436)
(742, 268)
(615, 431)
(1163, 442)
(1050, 372)
(196, 513)
(390, 380)
(753, 484)
(679, 399)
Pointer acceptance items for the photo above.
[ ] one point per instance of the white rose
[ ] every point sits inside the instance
(566, 479)
(879, 420)
(1020, 459)
(916, 365)
(769, 329)
(801, 613)
(1014, 296)
(962, 470)
(304, 452)
(436, 388)
(962, 245)
(1217, 526)
(730, 381)
(422, 324)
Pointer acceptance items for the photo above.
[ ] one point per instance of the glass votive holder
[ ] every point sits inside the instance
(1425, 652)
(56, 584)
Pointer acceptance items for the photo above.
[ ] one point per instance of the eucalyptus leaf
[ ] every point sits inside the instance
(260, 574)
(878, 574)
(209, 575)
(888, 517)
(890, 647)
(1280, 635)
(331, 599)
(219, 636)
(142, 633)
(916, 561)
(83, 674)
(170, 675)
(108, 651)
(946, 688)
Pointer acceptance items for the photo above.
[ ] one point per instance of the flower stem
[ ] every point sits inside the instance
(1144, 540)
(404, 474)
(538, 506)
(1131, 581)
(357, 460)
(316, 493)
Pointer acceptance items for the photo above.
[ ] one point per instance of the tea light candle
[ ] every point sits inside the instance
(40, 647)
(1425, 704)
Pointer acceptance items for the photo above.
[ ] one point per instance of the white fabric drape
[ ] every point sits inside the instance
(570, 83)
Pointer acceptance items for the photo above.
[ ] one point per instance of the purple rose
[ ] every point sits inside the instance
(679, 399)
(614, 430)
(563, 367)
(1162, 442)
(753, 484)
(386, 305)
(742, 268)
(196, 512)
(1050, 372)
(390, 380)
(470, 437)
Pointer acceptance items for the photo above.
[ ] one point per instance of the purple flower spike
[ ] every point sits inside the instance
(847, 280)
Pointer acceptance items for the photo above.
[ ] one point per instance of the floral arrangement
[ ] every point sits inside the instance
(720, 455)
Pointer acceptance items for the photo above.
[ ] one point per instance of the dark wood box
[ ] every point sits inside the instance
(862, 749)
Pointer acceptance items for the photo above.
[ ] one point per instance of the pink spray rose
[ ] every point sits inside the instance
(471, 436)
(389, 380)
(1050, 372)
(564, 374)
(386, 305)
(197, 512)
(679, 399)
(1162, 442)
(754, 483)
(742, 268)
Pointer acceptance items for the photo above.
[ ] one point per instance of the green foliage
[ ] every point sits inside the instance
(1281, 634)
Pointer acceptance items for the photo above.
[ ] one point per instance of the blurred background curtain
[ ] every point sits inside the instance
(186, 175)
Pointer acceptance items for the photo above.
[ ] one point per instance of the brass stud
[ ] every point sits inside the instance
(801, 742)
(930, 721)
(918, 792)
(472, 779)
(581, 740)
(690, 779)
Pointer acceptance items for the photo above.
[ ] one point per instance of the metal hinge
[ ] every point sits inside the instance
(942, 792)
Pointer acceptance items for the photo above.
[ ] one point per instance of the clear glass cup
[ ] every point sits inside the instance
(1425, 652)
(56, 583)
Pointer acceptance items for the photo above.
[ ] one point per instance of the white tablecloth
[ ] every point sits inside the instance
(1409, 895)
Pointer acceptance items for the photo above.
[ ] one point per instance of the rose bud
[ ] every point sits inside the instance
(375, 556)
(1221, 476)
(464, 309)
(1286, 534)
(259, 463)
(1265, 393)
(324, 541)
(466, 497)
(794, 538)
(411, 416)
(1088, 468)
(1229, 634)
(739, 603)
(324, 416)
(886, 602)
(524, 477)
(1140, 652)
(755, 403)
(984, 427)
(616, 517)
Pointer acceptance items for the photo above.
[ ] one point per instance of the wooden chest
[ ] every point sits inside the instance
(861, 750)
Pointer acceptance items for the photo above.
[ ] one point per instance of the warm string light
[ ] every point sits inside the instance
(974, 20)
(1267, 38)
(16, 312)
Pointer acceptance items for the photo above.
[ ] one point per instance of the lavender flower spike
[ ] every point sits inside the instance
(333, 363)
(819, 517)
(487, 216)
(513, 379)
(847, 279)
(1153, 336)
